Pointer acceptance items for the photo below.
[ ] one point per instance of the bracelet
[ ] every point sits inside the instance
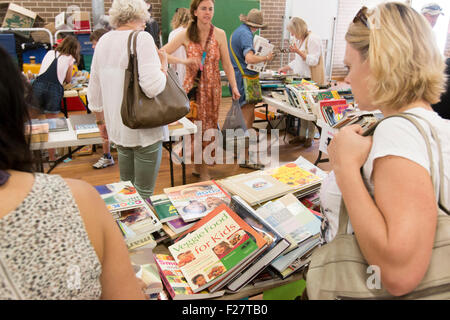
(99, 122)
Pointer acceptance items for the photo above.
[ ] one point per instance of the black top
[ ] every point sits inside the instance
(443, 107)
(152, 27)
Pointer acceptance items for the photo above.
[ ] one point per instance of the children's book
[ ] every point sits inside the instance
(164, 209)
(294, 176)
(196, 200)
(175, 282)
(216, 248)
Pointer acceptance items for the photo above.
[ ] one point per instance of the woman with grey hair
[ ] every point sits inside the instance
(139, 150)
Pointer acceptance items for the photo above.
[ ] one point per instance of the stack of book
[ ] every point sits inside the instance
(196, 200)
(227, 248)
(261, 186)
(37, 131)
(133, 216)
(85, 126)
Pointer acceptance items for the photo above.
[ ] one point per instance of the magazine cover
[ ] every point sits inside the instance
(294, 176)
(216, 246)
(119, 196)
(196, 200)
(175, 282)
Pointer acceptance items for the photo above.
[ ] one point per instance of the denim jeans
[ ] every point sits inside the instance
(140, 165)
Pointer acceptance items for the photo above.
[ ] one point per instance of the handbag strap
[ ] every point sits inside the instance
(343, 215)
(235, 58)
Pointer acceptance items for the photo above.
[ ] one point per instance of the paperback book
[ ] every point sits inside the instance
(164, 208)
(85, 125)
(119, 196)
(255, 187)
(175, 282)
(216, 248)
(196, 200)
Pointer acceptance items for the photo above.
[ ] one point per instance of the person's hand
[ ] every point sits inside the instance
(269, 57)
(349, 149)
(193, 62)
(163, 58)
(293, 47)
(283, 69)
(235, 93)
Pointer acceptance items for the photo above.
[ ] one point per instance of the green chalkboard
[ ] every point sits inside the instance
(226, 13)
(226, 17)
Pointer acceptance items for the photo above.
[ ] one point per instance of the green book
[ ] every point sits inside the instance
(164, 208)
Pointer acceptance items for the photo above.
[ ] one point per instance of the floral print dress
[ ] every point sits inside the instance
(209, 90)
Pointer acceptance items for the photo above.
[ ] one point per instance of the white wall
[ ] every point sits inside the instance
(319, 15)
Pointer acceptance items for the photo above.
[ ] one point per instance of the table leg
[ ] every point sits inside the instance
(171, 163)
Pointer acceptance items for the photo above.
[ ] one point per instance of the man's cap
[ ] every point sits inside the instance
(432, 9)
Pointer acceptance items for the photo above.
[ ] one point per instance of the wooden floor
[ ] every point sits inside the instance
(80, 167)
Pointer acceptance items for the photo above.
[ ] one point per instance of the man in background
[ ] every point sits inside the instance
(152, 26)
(431, 12)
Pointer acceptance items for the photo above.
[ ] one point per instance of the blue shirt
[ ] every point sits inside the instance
(242, 43)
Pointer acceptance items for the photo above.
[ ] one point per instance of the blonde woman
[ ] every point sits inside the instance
(308, 50)
(139, 150)
(180, 21)
(394, 66)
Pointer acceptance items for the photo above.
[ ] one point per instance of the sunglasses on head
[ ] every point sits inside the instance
(361, 16)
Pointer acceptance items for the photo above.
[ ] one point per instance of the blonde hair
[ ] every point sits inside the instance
(405, 62)
(125, 11)
(180, 18)
(298, 27)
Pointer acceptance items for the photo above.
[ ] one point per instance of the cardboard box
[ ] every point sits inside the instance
(82, 21)
(15, 16)
(42, 36)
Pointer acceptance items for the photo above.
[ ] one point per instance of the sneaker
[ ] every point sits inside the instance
(103, 162)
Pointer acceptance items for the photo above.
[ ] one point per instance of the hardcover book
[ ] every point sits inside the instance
(294, 176)
(196, 200)
(216, 248)
(176, 283)
(276, 243)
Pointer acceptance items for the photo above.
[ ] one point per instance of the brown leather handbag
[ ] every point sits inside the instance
(141, 112)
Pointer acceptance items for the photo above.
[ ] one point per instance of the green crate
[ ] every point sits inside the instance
(87, 59)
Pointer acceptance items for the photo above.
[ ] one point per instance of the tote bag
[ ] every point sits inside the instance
(141, 112)
(317, 71)
(338, 270)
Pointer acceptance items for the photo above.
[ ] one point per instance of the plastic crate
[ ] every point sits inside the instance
(86, 44)
(8, 43)
(87, 59)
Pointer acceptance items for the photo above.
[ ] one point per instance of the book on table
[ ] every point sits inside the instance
(85, 126)
(175, 282)
(164, 208)
(277, 244)
(37, 131)
(119, 196)
(146, 269)
(178, 225)
(291, 219)
(255, 187)
(216, 249)
(194, 201)
(54, 124)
